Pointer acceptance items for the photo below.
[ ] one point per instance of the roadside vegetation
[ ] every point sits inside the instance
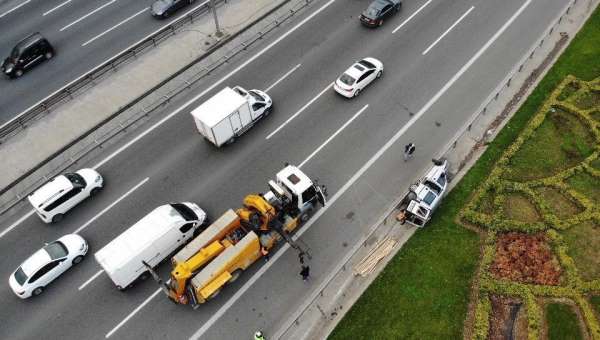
(531, 203)
(562, 322)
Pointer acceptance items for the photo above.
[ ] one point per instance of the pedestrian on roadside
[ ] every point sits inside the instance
(409, 149)
(259, 335)
(305, 273)
(301, 257)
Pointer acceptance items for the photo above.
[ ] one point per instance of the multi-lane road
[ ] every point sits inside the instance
(442, 58)
(85, 33)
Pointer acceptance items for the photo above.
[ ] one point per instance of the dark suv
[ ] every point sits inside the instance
(28, 53)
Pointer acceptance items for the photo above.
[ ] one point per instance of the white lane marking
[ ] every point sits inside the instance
(87, 15)
(215, 84)
(115, 26)
(216, 316)
(14, 8)
(282, 78)
(133, 313)
(299, 111)
(55, 8)
(411, 16)
(90, 279)
(12, 226)
(111, 205)
(448, 30)
(333, 136)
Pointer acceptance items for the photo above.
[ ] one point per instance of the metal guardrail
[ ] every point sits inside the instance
(94, 140)
(67, 92)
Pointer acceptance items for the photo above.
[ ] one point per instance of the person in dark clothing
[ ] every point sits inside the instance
(305, 273)
(409, 149)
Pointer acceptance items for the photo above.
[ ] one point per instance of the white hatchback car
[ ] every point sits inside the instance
(358, 76)
(46, 264)
(53, 199)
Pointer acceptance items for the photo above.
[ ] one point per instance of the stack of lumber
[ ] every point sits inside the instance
(368, 264)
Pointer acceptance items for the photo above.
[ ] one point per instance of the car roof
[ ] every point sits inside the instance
(49, 190)
(355, 72)
(379, 4)
(35, 262)
(30, 40)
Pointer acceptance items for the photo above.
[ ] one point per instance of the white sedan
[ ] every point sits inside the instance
(358, 76)
(45, 265)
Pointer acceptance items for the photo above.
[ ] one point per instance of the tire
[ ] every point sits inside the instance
(48, 55)
(214, 294)
(143, 276)
(268, 111)
(18, 73)
(231, 140)
(77, 259)
(380, 23)
(357, 93)
(379, 74)
(57, 218)
(37, 291)
(236, 274)
(94, 192)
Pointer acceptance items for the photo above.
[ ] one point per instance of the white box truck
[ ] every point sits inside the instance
(151, 239)
(230, 113)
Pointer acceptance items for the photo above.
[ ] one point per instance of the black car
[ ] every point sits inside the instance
(379, 10)
(164, 8)
(26, 54)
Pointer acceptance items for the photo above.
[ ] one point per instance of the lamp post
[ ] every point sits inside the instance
(213, 7)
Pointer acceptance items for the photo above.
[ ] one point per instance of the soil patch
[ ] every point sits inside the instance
(583, 242)
(561, 205)
(503, 317)
(586, 184)
(525, 258)
(519, 208)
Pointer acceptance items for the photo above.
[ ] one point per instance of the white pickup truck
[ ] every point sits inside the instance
(425, 196)
(230, 113)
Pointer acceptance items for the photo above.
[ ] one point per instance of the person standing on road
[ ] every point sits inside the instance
(409, 149)
(305, 273)
(259, 336)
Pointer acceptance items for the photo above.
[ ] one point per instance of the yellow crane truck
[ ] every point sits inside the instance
(238, 238)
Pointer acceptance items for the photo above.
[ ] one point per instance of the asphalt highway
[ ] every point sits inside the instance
(353, 146)
(84, 33)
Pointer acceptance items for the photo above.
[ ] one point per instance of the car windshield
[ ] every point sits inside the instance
(56, 250)
(185, 211)
(346, 79)
(257, 96)
(366, 64)
(372, 11)
(429, 198)
(76, 179)
(20, 276)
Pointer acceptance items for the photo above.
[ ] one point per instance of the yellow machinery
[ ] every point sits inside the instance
(233, 242)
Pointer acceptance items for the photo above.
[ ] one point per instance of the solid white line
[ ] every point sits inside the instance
(282, 78)
(216, 316)
(411, 16)
(448, 30)
(12, 226)
(115, 26)
(299, 111)
(133, 313)
(215, 84)
(90, 279)
(14, 8)
(333, 136)
(111, 205)
(57, 7)
(87, 15)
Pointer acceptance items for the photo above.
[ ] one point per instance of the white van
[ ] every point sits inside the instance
(151, 239)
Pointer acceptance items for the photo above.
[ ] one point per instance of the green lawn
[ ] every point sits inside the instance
(423, 293)
(562, 322)
(584, 247)
(595, 300)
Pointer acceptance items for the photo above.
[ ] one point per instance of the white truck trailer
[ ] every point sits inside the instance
(425, 196)
(230, 113)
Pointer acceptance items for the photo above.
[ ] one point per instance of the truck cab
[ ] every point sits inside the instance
(259, 101)
(424, 196)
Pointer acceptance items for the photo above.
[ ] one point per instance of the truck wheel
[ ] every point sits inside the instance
(214, 294)
(37, 291)
(236, 274)
(231, 140)
(143, 276)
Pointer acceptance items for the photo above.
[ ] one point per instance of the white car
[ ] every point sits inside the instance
(358, 76)
(53, 199)
(45, 265)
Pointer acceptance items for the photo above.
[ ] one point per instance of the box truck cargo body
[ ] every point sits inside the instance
(151, 239)
(230, 113)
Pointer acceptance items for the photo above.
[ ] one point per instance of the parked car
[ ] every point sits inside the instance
(53, 199)
(378, 11)
(27, 53)
(164, 8)
(46, 264)
(358, 76)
